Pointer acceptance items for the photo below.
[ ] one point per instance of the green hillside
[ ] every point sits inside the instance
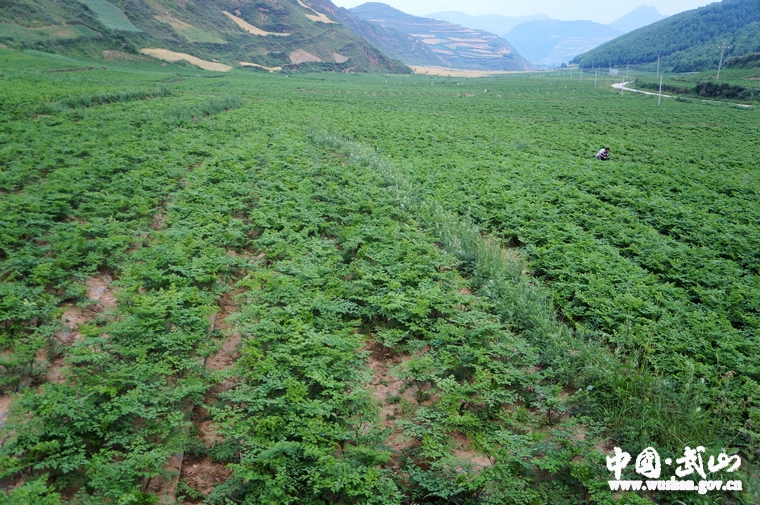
(290, 35)
(411, 50)
(687, 42)
(110, 15)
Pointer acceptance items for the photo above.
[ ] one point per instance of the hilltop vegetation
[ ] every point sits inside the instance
(687, 42)
(337, 289)
(210, 30)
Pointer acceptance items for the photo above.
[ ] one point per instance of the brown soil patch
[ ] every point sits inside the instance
(226, 356)
(256, 65)
(165, 487)
(245, 25)
(464, 450)
(458, 72)
(99, 289)
(5, 404)
(339, 58)
(56, 371)
(118, 55)
(203, 474)
(172, 57)
(207, 431)
(317, 17)
(102, 299)
(159, 221)
(301, 56)
(385, 386)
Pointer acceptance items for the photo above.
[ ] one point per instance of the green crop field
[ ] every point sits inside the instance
(110, 15)
(346, 289)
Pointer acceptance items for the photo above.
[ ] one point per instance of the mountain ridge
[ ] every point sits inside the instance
(639, 17)
(491, 23)
(689, 41)
(291, 35)
(553, 42)
(457, 46)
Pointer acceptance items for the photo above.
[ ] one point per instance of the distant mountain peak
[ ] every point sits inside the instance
(642, 15)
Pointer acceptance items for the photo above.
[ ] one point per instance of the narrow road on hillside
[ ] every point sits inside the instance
(620, 85)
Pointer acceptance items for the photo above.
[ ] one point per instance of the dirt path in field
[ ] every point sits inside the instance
(245, 25)
(201, 472)
(398, 398)
(386, 389)
(172, 57)
(102, 299)
(619, 85)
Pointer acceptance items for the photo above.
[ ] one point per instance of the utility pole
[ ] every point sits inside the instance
(659, 96)
(622, 85)
(723, 48)
(658, 65)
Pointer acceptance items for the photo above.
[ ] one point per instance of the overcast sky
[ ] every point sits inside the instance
(601, 11)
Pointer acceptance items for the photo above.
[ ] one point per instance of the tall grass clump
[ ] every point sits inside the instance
(187, 113)
(86, 100)
(496, 273)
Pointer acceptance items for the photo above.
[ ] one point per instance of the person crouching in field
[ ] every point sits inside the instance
(603, 154)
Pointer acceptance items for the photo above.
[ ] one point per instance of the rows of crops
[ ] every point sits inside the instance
(305, 311)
